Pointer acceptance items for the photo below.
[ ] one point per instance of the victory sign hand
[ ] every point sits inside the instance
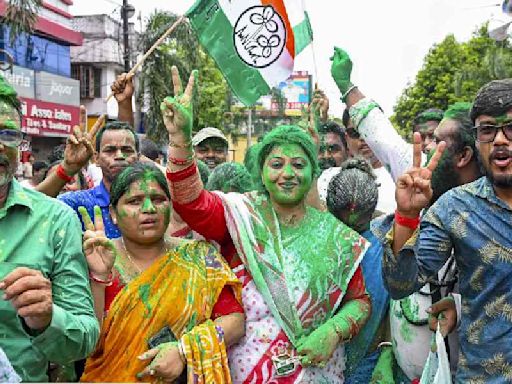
(100, 251)
(177, 111)
(413, 188)
(79, 147)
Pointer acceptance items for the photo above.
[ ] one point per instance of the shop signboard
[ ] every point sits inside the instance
(57, 89)
(41, 118)
(22, 80)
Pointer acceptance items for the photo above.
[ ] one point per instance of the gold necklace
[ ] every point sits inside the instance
(128, 253)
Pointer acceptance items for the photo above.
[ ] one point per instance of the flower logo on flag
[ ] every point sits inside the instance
(259, 36)
(265, 19)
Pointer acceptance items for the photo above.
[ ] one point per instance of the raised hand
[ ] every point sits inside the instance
(321, 103)
(79, 147)
(123, 88)
(413, 188)
(100, 252)
(341, 70)
(177, 111)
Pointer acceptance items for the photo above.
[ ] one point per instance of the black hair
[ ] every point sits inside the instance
(116, 125)
(493, 99)
(149, 149)
(464, 135)
(333, 127)
(38, 165)
(346, 118)
(136, 172)
(354, 190)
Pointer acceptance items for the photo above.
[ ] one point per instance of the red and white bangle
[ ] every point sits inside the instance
(61, 173)
(183, 161)
(407, 221)
(106, 283)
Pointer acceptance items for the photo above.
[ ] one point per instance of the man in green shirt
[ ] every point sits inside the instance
(46, 308)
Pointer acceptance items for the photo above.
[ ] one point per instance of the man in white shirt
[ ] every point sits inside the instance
(358, 147)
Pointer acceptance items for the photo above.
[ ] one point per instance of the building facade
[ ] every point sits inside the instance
(39, 67)
(98, 61)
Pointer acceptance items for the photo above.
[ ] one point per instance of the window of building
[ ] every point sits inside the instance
(90, 80)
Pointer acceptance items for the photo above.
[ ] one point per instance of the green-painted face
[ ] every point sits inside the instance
(287, 174)
(143, 212)
(9, 156)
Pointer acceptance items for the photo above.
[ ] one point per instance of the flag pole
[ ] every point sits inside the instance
(315, 68)
(153, 47)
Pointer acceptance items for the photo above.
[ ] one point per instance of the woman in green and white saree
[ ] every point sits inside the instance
(304, 293)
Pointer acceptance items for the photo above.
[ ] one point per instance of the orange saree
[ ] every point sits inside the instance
(178, 291)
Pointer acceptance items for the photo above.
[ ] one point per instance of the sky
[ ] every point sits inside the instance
(387, 40)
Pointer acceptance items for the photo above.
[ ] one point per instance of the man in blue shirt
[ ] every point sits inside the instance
(475, 221)
(117, 146)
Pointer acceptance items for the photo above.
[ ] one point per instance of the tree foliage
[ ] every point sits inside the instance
(452, 71)
(21, 17)
(181, 49)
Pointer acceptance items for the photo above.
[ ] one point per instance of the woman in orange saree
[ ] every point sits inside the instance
(180, 304)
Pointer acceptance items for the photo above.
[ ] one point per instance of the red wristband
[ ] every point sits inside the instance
(61, 173)
(106, 283)
(406, 221)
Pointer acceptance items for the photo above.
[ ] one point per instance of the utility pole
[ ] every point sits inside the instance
(127, 11)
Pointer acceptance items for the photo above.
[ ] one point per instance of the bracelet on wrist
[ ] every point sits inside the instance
(106, 283)
(61, 173)
(344, 96)
(185, 145)
(411, 223)
(182, 161)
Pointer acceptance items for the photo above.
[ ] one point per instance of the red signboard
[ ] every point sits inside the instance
(41, 118)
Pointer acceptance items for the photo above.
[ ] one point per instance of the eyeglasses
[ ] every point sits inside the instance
(487, 133)
(352, 133)
(11, 137)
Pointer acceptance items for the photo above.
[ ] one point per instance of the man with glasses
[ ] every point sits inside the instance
(46, 308)
(475, 221)
(458, 165)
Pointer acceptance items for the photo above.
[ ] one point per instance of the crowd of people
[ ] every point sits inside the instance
(332, 255)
